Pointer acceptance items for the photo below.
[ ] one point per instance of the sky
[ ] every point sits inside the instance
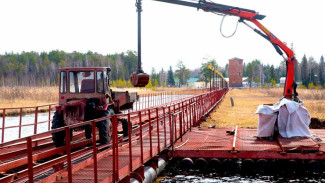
(170, 33)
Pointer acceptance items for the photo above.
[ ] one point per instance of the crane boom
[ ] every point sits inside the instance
(254, 17)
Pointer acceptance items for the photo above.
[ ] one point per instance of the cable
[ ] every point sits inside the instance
(221, 23)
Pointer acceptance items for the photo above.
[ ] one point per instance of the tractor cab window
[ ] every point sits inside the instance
(82, 82)
(63, 82)
(106, 81)
(100, 82)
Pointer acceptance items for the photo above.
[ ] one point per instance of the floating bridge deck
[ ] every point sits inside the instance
(164, 131)
(243, 143)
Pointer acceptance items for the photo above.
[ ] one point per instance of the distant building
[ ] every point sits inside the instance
(282, 80)
(245, 82)
(235, 72)
(192, 83)
(195, 83)
(176, 82)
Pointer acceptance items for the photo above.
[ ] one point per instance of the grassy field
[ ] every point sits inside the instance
(247, 100)
(243, 113)
(33, 96)
(27, 96)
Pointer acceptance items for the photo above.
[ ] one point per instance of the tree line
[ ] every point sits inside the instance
(309, 73)
(42, 69)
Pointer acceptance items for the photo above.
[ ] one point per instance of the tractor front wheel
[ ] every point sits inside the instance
(58, 137)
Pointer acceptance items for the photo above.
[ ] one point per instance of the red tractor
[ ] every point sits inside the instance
(85, 95)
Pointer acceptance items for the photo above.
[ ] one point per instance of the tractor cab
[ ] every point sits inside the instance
(83, 90)
(81, 83)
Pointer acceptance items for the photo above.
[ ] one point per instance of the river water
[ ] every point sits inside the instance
(175, 173)
(29, 119)
(238, 179)
(189, 176)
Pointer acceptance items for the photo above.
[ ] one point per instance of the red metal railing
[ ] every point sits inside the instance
(145, 101)
(154, 130)
(20, 111)
(160, 98)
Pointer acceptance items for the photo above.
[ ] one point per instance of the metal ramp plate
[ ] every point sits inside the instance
(298, 144)
(247, 141)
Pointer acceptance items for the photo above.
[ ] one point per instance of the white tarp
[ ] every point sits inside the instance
(293, 119)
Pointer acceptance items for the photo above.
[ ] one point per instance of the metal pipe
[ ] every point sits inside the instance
(234, 141)
(187, 163)
(161, 165)
(139, 10)
(150, 174)
(210, 80)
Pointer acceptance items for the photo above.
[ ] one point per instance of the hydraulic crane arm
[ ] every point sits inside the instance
(252, 16)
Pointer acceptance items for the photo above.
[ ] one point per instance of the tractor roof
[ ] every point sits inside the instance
(82, 68)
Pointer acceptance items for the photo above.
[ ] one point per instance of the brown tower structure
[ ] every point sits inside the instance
(235, 72)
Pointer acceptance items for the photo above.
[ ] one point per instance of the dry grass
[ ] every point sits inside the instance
(27, 96)
(33, 96)
(247, 100)
(304, 94)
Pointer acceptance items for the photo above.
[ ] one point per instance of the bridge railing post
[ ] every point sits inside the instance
(150, 132)
(157, 117)
(172, 134)
(20, 121)
(191, 118)
(170, 125)
(3, 125)
(187, 114)
(181, 124)
(130, 143)
(30, 159)
(68, 151)
(115, 150)
(36, 120)
(175, 126)
(164, 122)
(49, 122)
(141, 138)
(93, 130)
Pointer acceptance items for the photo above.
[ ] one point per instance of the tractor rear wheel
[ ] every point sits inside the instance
(109, 124)
(125, 127)
(105, 127)
(58, 137)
